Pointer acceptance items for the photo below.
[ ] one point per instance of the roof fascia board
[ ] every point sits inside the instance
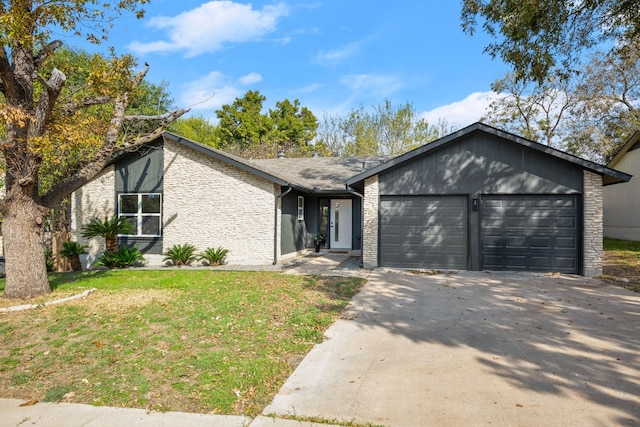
(625, 148)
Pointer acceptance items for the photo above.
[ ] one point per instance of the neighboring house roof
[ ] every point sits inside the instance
(610, 176)
(632, 144)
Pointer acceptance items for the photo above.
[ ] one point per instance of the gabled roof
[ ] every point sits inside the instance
(631, 144)
(309, 174)
(318, 174)
(610, 176)
(225, 158)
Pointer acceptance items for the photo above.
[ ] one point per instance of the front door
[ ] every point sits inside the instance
(340, 227)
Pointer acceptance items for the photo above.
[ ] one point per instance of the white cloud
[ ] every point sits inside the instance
(214, 90)
(250, 79)
(307, 89)
(337, 55)
(210, 26)
(375, 85)
(465, 112)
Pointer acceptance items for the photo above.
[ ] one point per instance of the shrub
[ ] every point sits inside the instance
(109, 228)
(122, 258)
(214, 256)
(73, 250)
(181, 254)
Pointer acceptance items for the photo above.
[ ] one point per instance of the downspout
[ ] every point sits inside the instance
(275, 225)
(352, 190)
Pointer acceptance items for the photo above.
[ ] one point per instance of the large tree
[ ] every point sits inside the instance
(590, 114)
(535, 111)
(536, 37)
(245, 130)
(37, 119)
(383, 130)
(196, 128)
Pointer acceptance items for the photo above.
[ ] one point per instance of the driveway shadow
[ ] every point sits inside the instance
(477, 348)
(552, 335)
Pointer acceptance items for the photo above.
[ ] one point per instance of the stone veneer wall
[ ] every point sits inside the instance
(593, 226)
(208, 203)
(370, 223)
(94, 200)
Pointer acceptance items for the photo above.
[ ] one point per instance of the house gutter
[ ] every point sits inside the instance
(275, 224)
(353, 191)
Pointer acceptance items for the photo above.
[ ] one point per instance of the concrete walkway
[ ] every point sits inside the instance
(420, 349)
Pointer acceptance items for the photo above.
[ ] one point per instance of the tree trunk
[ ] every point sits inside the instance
(23, 236)
(111, 244)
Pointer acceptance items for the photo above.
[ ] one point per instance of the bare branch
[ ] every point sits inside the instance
(9, 83)
(141, 75)
(45, 53)
(72, 107)
(47, 101)
(143, 118)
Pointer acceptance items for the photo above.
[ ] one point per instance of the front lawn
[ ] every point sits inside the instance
(622, 263)
(174, 340)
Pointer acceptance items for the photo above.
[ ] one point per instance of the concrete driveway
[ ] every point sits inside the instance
(475, 349)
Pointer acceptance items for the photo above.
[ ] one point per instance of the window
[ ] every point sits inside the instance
(300, 208)
(144, 212)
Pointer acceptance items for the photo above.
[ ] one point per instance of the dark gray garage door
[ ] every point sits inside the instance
(423, 231)
(527, 232)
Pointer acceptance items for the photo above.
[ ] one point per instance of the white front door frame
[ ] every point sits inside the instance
(340, 223)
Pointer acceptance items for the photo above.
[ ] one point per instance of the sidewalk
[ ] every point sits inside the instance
(76, 415)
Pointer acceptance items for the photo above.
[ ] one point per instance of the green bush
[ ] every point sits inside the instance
(72, 250)
(181, 254)
(214, 256)
(122, 258)
(109, 228)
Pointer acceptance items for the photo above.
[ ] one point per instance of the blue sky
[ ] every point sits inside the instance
(332, 55)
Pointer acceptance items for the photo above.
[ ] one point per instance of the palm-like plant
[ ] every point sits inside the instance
(72, 251)
(109, 228)
(214, 256)
(181, 254)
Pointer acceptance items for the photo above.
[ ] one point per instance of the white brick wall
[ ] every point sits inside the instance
(593, 226)
(208, 203)
(370, 223)
(94, 200)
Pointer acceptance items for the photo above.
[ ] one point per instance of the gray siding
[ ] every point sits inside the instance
(481, 164)
(298, 235)
(140, 172)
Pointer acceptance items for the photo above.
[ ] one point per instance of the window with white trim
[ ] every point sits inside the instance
(144, 210)
(300, 208)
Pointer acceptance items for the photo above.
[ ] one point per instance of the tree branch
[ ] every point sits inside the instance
(47, 101)
(61, 190)
(72, 107)
(45, 52)
(9, 83)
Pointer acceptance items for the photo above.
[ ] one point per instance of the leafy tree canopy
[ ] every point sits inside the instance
(536, 37)
(383, 130)
(245, 130)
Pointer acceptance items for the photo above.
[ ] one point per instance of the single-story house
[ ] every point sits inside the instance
(478, 199)
(622, 202)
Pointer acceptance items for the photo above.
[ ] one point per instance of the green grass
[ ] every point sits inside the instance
(622, 263)
(180, 340)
